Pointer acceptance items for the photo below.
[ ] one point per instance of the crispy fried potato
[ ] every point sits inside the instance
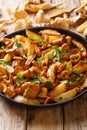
(49, 32)
(80, 67)
(84, 85)
(78, 44)
(59, 89)
(51, 73)
(32, 35)
(65, 96)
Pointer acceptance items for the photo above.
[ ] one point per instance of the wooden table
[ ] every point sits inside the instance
(71, 116)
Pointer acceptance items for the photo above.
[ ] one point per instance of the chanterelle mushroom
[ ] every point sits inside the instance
(35, 8)
(34, 1)
(61, 22)
(40, 17)
(22, 23)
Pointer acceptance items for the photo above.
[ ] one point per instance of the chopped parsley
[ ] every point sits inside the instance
(50, 59)
(40, 41)
(67, 65)
(1, 62)
(39, 61)
(35, 81)
(60, 98)
(19, 79)
(57, 53)
(48, 84)
(64, 51)
(17, 44)
(2, 47)
(8, 62)
(7, 72)
(78, 73)
(26, 91)
(72, 80)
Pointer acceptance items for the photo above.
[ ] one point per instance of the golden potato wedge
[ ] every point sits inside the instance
(65, 96)
(49, 32)
(80, 67)
(59, 89)
(78, 44)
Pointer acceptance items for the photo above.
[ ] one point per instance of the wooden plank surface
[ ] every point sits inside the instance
(45, 119)
(73, 116)
(12, 117)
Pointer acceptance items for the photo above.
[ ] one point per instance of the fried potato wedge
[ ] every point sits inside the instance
(35, 8)
(34, 36)
(49, 32)
(65, 96)
(80, 67)
(78, 44)
(59, 89)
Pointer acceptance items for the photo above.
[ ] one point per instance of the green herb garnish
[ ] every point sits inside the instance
(7, 72)
(64, 51)
(19, 79)
(78, 73)
(60, 98)
(67, 65)
(39, 61)
(40, 41)
(8, 62)
(48, 84)
(2, 47)
(57, 53)
(17, 44)
(72, 80)
(84, 60)
(26, 91)
(50, 59)
(35, 81)
(1, 62)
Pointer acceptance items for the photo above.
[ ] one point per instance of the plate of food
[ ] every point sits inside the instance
(43, 66)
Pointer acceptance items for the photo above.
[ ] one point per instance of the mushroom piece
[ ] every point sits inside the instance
(22, 23)
(61, 22)
(35, 8)
(20, 14)
(34, 1)
(40, 17)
